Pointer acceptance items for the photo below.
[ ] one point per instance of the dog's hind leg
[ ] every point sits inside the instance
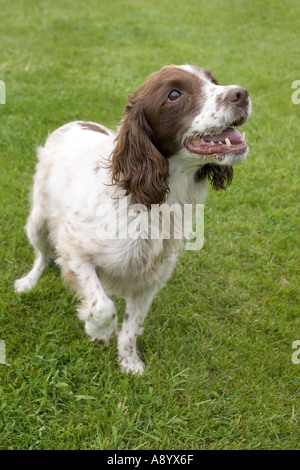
(38, 236)
(37, 233)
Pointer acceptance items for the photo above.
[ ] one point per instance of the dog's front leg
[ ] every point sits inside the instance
(96, 309)
(136, 310)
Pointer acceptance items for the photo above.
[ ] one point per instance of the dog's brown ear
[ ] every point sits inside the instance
(136, 164)
(220, 176)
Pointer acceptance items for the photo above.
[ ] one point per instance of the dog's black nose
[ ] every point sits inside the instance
(239, 96)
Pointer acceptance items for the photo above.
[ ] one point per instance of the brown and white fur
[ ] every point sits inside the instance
(171, 141)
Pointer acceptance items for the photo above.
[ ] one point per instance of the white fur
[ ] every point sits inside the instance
(71, 185)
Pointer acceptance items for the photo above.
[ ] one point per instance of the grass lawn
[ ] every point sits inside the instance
(218, 339)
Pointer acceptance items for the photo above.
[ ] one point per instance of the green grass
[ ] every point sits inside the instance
(218, 339)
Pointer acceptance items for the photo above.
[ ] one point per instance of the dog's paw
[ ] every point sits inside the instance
(100, 320)
(24, 284)
(131, 364)
(103, 333)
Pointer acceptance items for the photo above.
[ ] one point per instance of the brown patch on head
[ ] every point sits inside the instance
(210, 76)
(152, 130)
(169, 120)
(93, 126)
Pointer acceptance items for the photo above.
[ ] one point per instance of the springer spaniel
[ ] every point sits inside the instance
(178, 133)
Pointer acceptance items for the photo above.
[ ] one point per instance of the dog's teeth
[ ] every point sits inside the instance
(212, 142)
(243, 137)
(228, 143)
(220, 142)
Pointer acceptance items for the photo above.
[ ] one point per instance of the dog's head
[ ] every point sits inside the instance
(179, 109)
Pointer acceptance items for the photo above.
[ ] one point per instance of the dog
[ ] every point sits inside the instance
(178, 134)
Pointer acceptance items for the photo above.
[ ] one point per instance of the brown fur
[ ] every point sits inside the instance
(220, 176)
(137, 165)
(151, 132)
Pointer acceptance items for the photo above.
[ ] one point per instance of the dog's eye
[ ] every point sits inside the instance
(174, 95)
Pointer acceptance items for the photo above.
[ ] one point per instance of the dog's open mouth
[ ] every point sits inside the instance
(229, 141)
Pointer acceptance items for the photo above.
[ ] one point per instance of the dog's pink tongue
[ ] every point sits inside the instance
(232, 134)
